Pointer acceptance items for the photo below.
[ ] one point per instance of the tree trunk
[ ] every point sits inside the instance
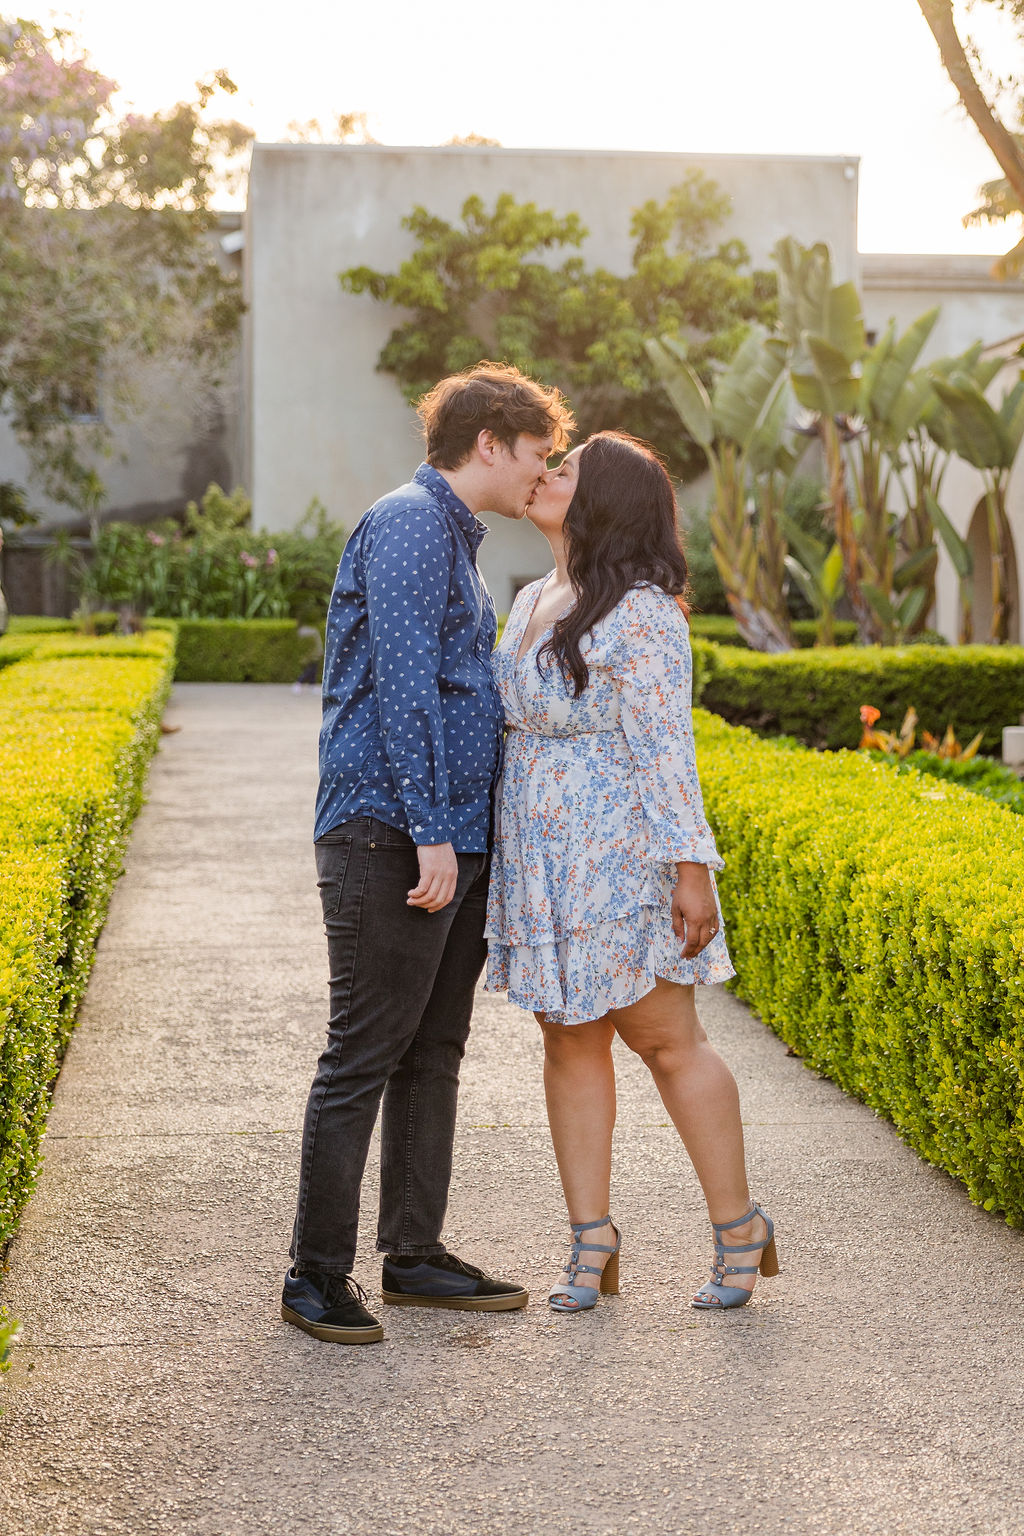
(939, 16)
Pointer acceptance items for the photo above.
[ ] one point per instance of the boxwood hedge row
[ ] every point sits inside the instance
(815, 695)
(79, 721)
(877, 924)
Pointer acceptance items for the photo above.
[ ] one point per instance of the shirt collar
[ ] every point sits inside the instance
(438, 486)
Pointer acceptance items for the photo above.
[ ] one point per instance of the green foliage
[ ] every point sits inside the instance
(980, 775)
(9, 1331)
(877, 925)
(106, 257)
(488, 286)
(215, 567)
(815, 695)
(802, 508)
(723, 630)
(79, 721)
(237, 651)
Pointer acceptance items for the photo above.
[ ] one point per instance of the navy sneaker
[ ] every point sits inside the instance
(442, 1280)
(329, 1307)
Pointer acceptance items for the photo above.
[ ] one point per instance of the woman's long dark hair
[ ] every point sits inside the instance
(620, 529)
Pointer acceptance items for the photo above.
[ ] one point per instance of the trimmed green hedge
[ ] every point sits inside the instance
(76, 734)
(816, 695)
(724, 630)
(876, 922)
(239, 651)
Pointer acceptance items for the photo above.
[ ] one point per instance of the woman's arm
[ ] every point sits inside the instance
(652, 669)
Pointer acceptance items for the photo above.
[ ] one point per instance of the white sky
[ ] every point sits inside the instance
(730, 76)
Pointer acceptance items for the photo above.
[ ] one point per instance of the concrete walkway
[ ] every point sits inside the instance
(876, 1386)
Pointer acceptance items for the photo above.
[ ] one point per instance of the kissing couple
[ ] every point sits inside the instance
(533, 807)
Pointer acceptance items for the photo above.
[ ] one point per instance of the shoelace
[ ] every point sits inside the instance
(449, 1261)
(344, 1288)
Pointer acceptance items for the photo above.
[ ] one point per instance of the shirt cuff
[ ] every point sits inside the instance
(430, 827)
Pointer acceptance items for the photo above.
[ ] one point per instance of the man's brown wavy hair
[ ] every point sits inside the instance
(493, 397)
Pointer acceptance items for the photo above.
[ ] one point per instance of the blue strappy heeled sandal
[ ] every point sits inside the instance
(579, 1298)
(715, 1295)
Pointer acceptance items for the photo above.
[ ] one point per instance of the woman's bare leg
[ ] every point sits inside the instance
(701, 1096)
(579, 1087)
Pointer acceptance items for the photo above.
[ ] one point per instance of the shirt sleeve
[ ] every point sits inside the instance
(408, 567)
(652, 669)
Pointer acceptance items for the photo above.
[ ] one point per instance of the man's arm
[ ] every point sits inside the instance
(408, 567)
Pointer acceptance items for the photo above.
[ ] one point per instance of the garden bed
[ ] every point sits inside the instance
(877, 924)
(79, 721)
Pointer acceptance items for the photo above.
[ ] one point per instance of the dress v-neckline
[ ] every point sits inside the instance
(521, 651)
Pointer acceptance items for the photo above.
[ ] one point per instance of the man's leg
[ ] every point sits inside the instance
(418, 1120)
(384, 956)
(418, 1129)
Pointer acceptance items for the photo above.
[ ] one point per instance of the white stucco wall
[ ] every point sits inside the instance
(974, 307)
(322, 421)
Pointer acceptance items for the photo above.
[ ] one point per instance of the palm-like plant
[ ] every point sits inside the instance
(741, 427)
(989, 439)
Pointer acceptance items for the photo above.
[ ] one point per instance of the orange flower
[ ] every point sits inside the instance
(869, 714)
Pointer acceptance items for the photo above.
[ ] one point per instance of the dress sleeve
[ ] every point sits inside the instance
(652, 670)
(408, 567)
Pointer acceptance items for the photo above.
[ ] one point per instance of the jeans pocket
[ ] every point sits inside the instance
(331, 865)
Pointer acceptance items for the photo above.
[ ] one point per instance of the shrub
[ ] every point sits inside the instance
(980, 775)
(216, 566)
(877, 924)
(239, 651)
(813, 695)
(76, 733)
(723, 629)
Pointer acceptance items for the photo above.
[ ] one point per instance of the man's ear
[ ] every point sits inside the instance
(487, 446)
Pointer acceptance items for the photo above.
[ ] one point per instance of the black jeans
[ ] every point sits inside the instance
(402, 982)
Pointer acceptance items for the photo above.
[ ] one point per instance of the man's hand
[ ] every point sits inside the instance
(694, 914)
(439, 870)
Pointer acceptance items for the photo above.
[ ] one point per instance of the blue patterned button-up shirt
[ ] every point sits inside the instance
(412, 719)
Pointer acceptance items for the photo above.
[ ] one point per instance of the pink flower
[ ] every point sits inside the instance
(249, 561)
(271, 556)
(156, 539)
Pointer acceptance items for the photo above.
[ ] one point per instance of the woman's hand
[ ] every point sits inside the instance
(694, 912)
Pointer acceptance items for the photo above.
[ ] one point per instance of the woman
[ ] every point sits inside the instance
(603, 913)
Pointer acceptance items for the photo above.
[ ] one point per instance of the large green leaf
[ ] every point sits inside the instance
(832, 573)
(844, 322)
(832, 368)
(683, 387)
(879, 603)
(910, 605)
(958, 549)
(745, 389)
(767, 451)
(895, 369)
(1011, 414)
(805, 580)
(911, 408)
(871, 366)
(912, 567)
(978, 434)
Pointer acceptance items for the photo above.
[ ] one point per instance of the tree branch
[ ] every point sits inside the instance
(939, 16)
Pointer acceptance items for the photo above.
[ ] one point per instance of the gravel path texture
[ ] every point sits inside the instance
(875, 1386)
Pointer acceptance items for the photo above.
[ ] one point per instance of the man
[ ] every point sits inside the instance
(409, 750)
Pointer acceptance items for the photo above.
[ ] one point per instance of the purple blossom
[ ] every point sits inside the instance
(249, 561)
(156, 539)
(271, 557)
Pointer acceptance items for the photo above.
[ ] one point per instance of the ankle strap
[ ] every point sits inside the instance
(589, 1226)
(725, 1226)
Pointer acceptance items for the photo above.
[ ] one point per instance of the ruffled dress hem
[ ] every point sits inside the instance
(617, 962)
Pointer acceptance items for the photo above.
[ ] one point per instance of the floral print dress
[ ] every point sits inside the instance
(598, 800)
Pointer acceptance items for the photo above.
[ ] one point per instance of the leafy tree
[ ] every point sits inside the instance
(105, 255)
(491, 286)
(987, 95)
